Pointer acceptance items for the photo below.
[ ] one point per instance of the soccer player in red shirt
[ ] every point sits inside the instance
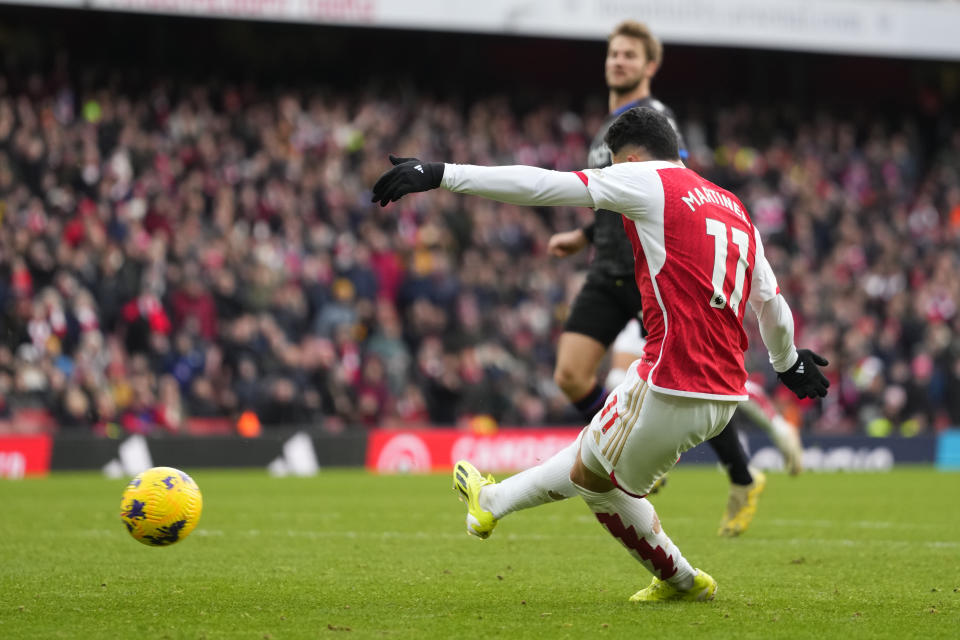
(699, 261)
(604, 314)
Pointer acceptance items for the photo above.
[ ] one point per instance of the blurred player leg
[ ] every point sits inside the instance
(578, 356)
(746, 484)
(730, 452)
(759, 408)
(597, 315)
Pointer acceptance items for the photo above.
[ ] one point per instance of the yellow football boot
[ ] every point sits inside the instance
(704, 588)
(467, 482)
(742, 505)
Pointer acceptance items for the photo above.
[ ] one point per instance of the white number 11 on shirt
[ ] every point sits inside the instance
(718, 230)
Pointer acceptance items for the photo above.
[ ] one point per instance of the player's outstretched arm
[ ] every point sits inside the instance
(517, 184)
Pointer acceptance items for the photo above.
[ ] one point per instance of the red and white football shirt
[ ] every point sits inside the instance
(699, 260)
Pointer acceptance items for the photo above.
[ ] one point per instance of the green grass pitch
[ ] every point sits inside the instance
(352, 555)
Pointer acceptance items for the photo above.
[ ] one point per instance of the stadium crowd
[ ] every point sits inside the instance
(204, 250)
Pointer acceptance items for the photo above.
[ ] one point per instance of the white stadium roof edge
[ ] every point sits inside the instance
(888, 28)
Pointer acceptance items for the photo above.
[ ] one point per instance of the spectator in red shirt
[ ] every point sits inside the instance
(194, 302)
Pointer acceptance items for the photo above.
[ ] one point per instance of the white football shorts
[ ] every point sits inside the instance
(640, 433)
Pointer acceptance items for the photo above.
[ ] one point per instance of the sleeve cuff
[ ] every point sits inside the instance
(784, 361)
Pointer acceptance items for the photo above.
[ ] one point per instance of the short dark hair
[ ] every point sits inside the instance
(647, 128)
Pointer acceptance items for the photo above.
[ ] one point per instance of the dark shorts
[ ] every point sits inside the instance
(603, 307)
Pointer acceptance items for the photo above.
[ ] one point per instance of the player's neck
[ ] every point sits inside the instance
(618, 100)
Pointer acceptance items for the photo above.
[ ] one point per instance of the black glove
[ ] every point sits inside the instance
(408, 175)
(804, 377)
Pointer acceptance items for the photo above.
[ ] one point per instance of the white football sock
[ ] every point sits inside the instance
(781, 431)
(759, 415)
(634, 523)
(549, 481)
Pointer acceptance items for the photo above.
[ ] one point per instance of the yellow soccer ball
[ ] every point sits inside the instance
(161, 506)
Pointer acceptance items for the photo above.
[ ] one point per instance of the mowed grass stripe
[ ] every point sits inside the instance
(253, 533)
